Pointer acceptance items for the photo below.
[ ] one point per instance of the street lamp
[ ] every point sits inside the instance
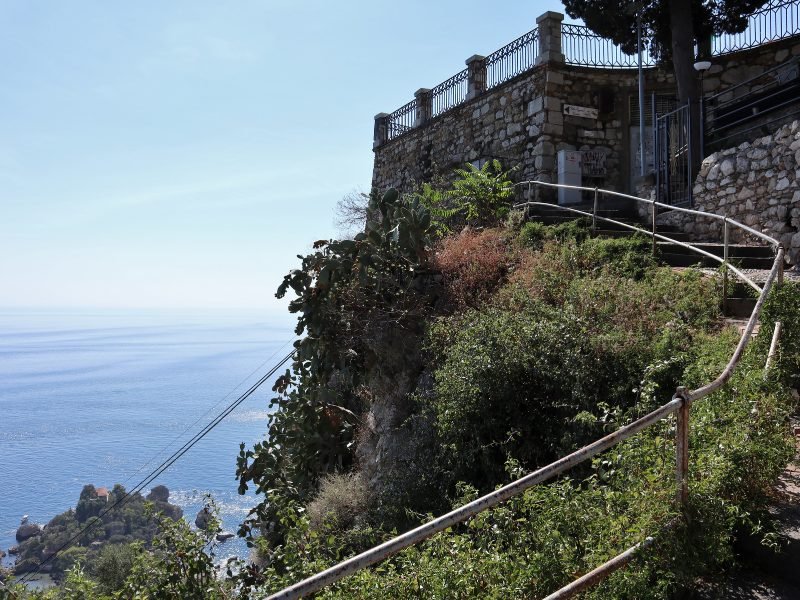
(637, 8)
(701, 65)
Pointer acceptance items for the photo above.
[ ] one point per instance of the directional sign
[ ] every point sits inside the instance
(580, 111)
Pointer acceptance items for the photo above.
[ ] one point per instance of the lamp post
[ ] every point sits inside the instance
(636, 8)
(641, 92)
(702, 65)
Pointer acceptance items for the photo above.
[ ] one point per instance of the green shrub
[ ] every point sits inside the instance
(628, 256)
(783, 304)
(533, 235)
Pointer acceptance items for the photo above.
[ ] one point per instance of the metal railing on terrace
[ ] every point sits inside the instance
(582, 47)
(574, 44)
(774, 21)
(679, 405)
(512, 59)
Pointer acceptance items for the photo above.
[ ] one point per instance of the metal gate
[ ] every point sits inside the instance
(673, 157)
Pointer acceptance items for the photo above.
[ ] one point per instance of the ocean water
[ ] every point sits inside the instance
(92, 396)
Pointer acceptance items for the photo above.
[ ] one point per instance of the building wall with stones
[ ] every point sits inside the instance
(524, 122)
(756, 183)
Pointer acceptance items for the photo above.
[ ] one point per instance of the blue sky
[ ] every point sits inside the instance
(181, 154)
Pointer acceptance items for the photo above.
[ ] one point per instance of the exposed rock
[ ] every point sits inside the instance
(223, 536)
(14, 550)
(728, 168)
(27, 531)
(25, 566)
(202, 519)
(160, 493)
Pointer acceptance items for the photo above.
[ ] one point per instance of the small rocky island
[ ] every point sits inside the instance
(129, 523)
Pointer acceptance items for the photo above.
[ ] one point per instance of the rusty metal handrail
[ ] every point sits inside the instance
(379, 553)
(657, 236)
(680, 404)
(770, 240)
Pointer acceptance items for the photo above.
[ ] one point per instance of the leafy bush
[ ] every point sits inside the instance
(627, 256)
(485, 193)
(533, 235)
(783, 304)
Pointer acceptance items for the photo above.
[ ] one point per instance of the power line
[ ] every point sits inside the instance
(201, 417)
(161, 468)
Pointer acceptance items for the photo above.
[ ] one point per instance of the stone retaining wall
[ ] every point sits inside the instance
(756, 183)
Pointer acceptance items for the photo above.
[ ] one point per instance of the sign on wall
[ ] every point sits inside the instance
(580, 111)
(593, 163)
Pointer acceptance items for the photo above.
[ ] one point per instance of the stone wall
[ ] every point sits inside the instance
(524, 122)
(756, 183)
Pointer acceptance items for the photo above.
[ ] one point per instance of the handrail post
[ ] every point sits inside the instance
(653, 204)
(773, 347)
(780, 265)
(725, 265)
(594, 212)
(682, 450)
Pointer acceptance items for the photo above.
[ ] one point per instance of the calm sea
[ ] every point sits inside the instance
(92, 396)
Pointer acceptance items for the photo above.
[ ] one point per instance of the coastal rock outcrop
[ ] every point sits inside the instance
(160, 493)
(202, 519)
(28, 530)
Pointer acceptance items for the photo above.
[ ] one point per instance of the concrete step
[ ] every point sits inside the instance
(734, 250)
(739, 307)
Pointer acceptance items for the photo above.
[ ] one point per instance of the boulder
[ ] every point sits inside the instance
(202, 518)
(225, 535)
(27, 531)
(13, 550)
(160, 493)
(25, 566)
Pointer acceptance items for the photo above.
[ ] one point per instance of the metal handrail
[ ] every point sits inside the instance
(680, 403)
(657, 236)
(699, 213)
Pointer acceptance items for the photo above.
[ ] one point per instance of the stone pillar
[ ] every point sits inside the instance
(549, 25)
(381, 131)
(476, 76)
(424, 106)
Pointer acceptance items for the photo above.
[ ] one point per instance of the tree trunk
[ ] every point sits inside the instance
(680, 16)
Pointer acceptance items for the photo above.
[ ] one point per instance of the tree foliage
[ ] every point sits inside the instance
(344, 289)
(670, 28)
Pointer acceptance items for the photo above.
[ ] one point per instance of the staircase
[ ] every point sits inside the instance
(740, 301)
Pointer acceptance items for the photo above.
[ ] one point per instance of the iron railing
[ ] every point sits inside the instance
(449, 93)
(726, 113)
(772, 22)
(584, 48)
(512, 59)
(401, 120)
(673, 156)
(679, 405)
